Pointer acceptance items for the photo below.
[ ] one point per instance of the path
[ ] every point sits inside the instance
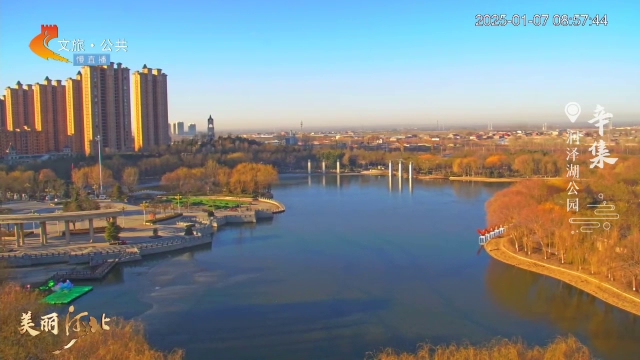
(629, 302)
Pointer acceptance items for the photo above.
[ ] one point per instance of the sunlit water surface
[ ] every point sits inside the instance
(353, 265)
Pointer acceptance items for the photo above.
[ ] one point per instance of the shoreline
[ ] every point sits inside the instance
(484, 179)
(605, 292)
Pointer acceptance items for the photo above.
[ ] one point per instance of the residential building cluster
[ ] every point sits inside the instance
(388, 141)
(177, 129)
(93, 109)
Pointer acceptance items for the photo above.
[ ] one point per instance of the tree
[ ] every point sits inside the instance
(117, 192)
(80, 202)
(130, 178)
(94, 175)
(46, 177)
(112, 231)
(525, 165)
(80, 177)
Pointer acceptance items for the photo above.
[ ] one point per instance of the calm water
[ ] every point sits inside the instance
(350, 269)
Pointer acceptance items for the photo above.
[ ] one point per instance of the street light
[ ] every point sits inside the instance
(144, 213)
(100, 160)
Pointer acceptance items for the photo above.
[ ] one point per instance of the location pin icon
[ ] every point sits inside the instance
(572, 110)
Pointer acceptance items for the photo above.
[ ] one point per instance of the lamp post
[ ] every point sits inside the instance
(178, 202)
(144, 213)
(100, 161)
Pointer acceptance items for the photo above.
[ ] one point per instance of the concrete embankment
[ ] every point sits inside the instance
(607, 293)
(280, 207)
(109, 253)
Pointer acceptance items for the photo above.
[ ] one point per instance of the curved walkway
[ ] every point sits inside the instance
(495, 248)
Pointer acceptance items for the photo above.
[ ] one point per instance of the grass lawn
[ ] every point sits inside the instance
(210, 203)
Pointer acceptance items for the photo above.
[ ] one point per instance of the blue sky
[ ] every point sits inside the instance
(271, 64)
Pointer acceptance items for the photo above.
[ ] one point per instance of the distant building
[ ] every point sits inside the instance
(75, 114)
(174, 129)
(51, 115)
(191, 129)
(291, 140)
(20, 107)
(3, 113)
(22, 141)
(151, 109)
(107, 111)
(180, 128)
(211, 131)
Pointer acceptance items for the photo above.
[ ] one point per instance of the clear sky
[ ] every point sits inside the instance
(271, 64)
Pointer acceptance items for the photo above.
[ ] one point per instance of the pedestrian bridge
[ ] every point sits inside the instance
(64, 216)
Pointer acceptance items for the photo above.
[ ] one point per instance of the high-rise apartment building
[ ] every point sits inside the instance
(20, 107)
(107, 111)
(75, 114)
(191, 129)
(3, 114)
(51, 114)
(151, 109)
(180, 126)
(174, 129)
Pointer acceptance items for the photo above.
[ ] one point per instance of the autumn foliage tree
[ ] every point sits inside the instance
(90, 176)
(246, 178)
(538, 218)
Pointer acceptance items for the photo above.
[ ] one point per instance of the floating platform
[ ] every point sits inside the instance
(65, 297)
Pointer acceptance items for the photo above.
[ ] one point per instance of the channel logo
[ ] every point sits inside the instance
(40, 44)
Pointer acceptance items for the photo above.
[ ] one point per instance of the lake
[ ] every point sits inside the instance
(353, 265)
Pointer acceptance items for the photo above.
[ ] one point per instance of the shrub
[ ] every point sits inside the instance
(124, 339)
(560, 349)
(112, 231)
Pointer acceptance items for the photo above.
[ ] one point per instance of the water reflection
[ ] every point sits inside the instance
(467, 191)
(610, 332)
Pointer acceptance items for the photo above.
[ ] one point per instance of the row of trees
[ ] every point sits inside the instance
(539, 213)
(90, 177)
(245, 178)
(470, 163)
(30, 183)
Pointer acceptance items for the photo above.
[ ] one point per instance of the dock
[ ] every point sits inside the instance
(65, 297)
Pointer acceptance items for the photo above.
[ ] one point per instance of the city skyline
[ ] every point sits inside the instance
(353, 65)
(92, 110)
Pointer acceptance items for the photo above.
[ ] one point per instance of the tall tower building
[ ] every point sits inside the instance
(211, 133)
(20, 107)
(51, 114)
(174, 129)
(3, 114)
(151, 108)
(180, 126)
(107, 111)
(75, 114)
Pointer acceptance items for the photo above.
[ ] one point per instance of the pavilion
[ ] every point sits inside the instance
(67, 217)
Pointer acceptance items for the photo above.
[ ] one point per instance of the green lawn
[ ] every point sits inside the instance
(211, 203)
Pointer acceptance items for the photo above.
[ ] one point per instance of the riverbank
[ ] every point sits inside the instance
(625, 300)
(485, 179)
(496, 180)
